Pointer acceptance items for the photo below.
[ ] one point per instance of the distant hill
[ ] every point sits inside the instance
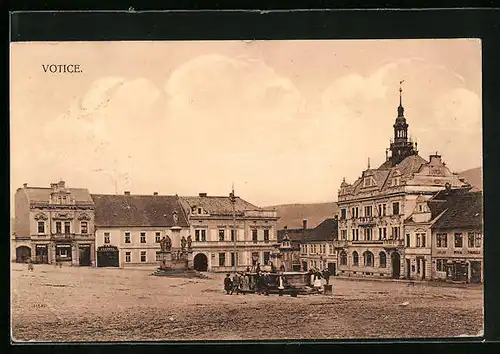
(475, 177)
(291, 215)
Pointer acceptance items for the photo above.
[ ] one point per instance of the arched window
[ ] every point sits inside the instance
(355, 258)
(368, 259)
(383, 260)
(343, 258)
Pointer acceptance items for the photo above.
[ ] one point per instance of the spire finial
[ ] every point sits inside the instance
(401, 93)
(368, 163)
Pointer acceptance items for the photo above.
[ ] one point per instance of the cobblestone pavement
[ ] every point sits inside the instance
(110, 304)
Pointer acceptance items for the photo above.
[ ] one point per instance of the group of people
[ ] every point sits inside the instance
(317, 277)
(258, 282)
(238, 283)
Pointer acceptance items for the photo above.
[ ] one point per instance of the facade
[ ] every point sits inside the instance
(317, 250)
(373, 209)
(213, 232)
(129, 228)
(54, 224)
(457, 237)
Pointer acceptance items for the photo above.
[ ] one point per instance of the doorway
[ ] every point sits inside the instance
(108, 256)
(41, 254)
(475, 272)
(408, 269)
(200, 262)
(23, 254)
(396, 264)
(304, 266)
(331, 268)
(84, 255)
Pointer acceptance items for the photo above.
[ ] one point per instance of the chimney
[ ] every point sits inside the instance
(25, 185)
(304, 224)
(285, 227)
(202, 194)
(127, 192)
(155, 193)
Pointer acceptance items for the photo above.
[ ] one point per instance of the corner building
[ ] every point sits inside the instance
(372, 236)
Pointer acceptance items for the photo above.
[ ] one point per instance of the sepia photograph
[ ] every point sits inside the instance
(246, 190)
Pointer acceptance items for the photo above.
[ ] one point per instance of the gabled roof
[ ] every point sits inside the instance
(218, 205)
(327, 230)
(137, 211)
(461, 211)
(42, 195)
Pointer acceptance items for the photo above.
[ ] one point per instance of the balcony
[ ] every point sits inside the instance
(393, 243)
(62, 236)
(366, 221)
(340, 243)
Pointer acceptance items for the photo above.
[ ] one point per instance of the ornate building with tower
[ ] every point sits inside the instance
(373, 239)
(54, 225)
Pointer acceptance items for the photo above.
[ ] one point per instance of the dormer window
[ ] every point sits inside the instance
(199, 210)
(369, 182)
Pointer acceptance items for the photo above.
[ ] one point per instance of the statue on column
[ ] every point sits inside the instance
(189, 242)
(166, 244)
(183, 243)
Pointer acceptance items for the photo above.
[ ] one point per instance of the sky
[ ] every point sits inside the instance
(285, 121)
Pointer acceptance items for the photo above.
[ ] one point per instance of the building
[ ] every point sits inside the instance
(129, 228)
(306, 248)
(457, 236)
(54, 224)
(373, 208)
(317, 248)
(214, 232)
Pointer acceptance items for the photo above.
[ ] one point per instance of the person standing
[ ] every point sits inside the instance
(236, 284)
(227, 284)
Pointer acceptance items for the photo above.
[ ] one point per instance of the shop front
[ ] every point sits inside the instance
(41, 254)
(63, 253)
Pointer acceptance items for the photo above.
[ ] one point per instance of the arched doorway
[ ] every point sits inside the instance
(23, 254)
(396, 264)
(108, 256)
(200, 262)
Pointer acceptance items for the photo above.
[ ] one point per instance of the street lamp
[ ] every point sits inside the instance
(233, 202)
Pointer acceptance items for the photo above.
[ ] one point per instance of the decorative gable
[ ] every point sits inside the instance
(41, 216)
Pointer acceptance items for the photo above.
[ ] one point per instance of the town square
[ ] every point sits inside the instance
(172, 213)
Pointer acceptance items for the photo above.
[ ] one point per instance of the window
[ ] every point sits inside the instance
(58, 227)
(266, 236)
(440, 265)
(368, 211)
(143, 256)
(41, 227)
(395, 208)
(203, 235)
(353, 234)
(477, 242)
(458, 240)
(355, 260)
(266, 257)
(396, 232)
(67, 227)
(382, 260)
(106, 237)
(442, 240)
(233, 232)
(255, 258)
(418, 240)
(357, 234)
(222, 259)
(380, 210)
(143, 237)
(254, 236)
(159, 256)
(127, 257)
(84, 228)
(343, 258)
(368, 234)
(199, 210)
(470, 238)
(368, 259)
(342, 214)
(157, 237)
(380, 233)
(197, 235)
(423, 240)
(232, 259)
(127, 237)
(407, 240)
(343, 234)
(354, 212)
(200, 235)
(221, 235)
(420, 209)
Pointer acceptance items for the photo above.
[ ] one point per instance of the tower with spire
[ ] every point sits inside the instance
(401, 147)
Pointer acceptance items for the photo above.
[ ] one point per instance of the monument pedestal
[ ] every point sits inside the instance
(166, 262)
(190, 260)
